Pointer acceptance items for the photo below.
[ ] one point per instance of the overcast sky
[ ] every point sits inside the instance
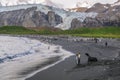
(72, 3)
(65, 3)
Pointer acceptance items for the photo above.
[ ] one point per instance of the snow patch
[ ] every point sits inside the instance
(117, 3)
(106, 7)
(113, 9)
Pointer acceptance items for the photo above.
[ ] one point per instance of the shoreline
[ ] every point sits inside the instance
(45, 66)
(107, 65)
(67, 69)
(49, 62)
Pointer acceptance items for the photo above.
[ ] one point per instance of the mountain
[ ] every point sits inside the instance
(85, 3)
(99, 8)
(29, 17)
(15, 2)
(108, 15)
(38, 15)
(17, 15)
(50, 3)
(90, 3)
(58, 3)
(20, 2)
(116, 3)
(78, 9)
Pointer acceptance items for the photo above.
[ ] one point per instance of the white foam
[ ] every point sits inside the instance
(19, 54)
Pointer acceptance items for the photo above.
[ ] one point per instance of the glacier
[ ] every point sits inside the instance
(67, 16)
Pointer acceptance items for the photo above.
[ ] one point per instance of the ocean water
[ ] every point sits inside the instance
(18, 54)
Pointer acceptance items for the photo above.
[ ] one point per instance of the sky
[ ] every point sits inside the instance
(64, 3)
(72, 3)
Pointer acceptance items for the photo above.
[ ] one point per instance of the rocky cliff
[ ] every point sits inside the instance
(53, 19)
(37, 15)
(108, 15)
(29, 17)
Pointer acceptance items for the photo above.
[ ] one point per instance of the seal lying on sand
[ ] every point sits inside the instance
(91, 59)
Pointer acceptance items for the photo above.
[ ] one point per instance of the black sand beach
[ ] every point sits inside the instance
(107, 67)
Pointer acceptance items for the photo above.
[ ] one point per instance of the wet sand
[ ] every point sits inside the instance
(107, 67)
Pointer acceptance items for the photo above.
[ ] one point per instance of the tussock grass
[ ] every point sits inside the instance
(15, 30)
(109, 32)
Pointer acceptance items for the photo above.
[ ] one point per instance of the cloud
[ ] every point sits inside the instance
(65, 3)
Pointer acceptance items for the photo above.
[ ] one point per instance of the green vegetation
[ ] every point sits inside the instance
(15, 30)
(110, 32)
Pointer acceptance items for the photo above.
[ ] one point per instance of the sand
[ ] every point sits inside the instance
(107, 67)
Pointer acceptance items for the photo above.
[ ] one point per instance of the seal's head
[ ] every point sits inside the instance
(87, 54)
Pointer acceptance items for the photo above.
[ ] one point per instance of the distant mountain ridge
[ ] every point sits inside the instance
(38, 15)
(108, 15)
(21, 2)
(56, 3)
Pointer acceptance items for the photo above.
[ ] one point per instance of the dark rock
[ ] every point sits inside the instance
(29, 17)
(99, 8)
(76, 23)
(91, 22)
(58, 19)
(107, 16)
(53, 18)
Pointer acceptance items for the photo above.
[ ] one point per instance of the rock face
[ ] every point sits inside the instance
(78, 9)
(76, 24)
(99, 15)
(108, 15)
(29, 17)
(99, 8)
(53, 18)
(91, 22)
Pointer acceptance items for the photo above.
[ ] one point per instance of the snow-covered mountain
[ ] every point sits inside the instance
(116, 3)
(51, 3)
(19, 2)
(83, 4)
(37, 15)
(57, 3)
(21, 12)
(90, 3)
